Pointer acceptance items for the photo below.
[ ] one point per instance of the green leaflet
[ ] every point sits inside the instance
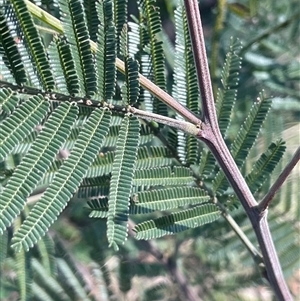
(24, 274)
(120, 16)
(61, 60)
(46, 283)
(168, 198)
(153, 200)
(265, 165)
(47, 254)
(155, 156)
(91, 187)
(150, 27)
(106, 51)
(91, 18)
(177, 222)
(65, 183)
(70, 280)
(248, 133)
(130, 91)
(131, 87)
(36, 162)
(163, 176)
(24, 271)
(99, 207)
(35, 45)
(3, 247)
(152, 157)
(8, 100)
(229, 78)
(121, 181)
(19, 124)
(245, 139)
(185, 88)
(125, 274)
(76, 33)
(10, 53)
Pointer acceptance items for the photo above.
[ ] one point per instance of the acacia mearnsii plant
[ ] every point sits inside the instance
(90, 118)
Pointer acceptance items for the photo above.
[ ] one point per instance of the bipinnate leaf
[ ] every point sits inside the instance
(36, 162)
(65, 182)
(121, 181)
(177, 222)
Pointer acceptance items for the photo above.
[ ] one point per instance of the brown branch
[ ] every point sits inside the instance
(210, 128)
(264, 204)
(211, 135)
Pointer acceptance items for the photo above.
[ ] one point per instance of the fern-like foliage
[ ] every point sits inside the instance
(10, 53)
(245, 139)
(120, 16)
(163, 176)
(66, 131)
(24, 270)
(106, 51)
(91, 18)
(35, 163)
(265, 165)
(150, 27)
(34, 44)
(130, 91)
(20, 123)
(121, 181)
(154, 200)
(66, 181)
(64, 68)
(8, 101)
(70, 133)
(177, 222)
(76, 33)
(185, 87)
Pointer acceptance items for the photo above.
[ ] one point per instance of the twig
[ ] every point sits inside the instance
(212, 137)
(264, 204)
(242, 236)
(184, 126)
(211, 134)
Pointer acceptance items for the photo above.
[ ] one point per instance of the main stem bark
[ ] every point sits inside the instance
(211, 135)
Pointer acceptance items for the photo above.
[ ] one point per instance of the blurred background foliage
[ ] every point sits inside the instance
(73, 262)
